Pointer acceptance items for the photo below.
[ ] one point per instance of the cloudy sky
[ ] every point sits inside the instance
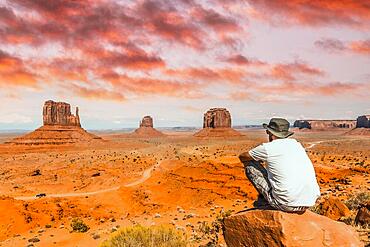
(120, 60)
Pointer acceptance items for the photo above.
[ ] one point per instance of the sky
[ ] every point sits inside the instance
(120, 60)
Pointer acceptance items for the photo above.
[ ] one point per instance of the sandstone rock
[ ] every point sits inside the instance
(146, 129)
(363, 121)
(59, 113)
(275, 228)
(217, 118)
(363, 215)
(324, 124)
(60, 127)
(217, 123)
(147, 121)
(334, 209)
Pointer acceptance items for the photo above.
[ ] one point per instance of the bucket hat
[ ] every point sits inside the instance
(279, 127)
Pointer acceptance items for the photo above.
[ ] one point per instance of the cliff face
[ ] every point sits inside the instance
(217, 123)
(60, 127)
(146, 129)
(147, 121)
(217, 118)
(59, 113)
(363, 121)
(324, 124)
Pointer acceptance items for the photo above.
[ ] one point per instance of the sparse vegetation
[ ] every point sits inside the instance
(355, 200)
(209, 231)
(140, 236)
(79, 226)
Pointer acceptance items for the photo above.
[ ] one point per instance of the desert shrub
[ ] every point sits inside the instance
(79, 226)
(317, 208)
(208, 232)
(140, 236)
(355, 200)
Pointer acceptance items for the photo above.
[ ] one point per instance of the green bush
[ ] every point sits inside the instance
(79, 226)
(140, 236)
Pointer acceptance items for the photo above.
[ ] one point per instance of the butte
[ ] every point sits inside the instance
(146, 129)
(362, 126)
(60, 127)
(217, 123)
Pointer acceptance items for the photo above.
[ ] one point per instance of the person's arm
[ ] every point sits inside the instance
(245, 157)
(258, 153)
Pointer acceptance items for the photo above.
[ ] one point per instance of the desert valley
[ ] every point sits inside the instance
(60, 174)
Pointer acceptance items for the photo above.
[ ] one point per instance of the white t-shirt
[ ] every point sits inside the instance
(290, 172)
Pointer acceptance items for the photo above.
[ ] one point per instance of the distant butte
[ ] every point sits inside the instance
(146, 129)
(217, 123)
(324, 124)
(362, 127)
(60, 127)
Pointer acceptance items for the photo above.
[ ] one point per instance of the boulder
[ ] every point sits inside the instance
(275, 228)
(334, 209)
(363, 214)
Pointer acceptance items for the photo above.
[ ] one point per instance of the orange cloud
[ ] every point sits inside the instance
(242, 60)
(148, 85)
(14, 73)
(96, 93)
(314, 13)
(209, 75)
(362, 47)
(290, 71)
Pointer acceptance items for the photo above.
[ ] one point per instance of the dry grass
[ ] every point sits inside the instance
(140, 236)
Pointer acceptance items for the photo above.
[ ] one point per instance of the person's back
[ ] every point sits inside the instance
(288, 183)
(290, 172)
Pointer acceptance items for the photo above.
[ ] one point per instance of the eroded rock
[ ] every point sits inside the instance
(275, 228)
(217, 123)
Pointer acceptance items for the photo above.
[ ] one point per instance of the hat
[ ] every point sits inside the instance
(279, 127)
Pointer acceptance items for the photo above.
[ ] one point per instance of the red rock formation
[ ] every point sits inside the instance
(363, 214)
(275, 228)
(363, 121)
(59, 113)
(334, 209)
(60, 127)
(217, 118)
(146, 129)
(147, 121)
(217, 123)
(324, 124)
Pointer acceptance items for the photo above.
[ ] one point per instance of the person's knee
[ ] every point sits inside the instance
(248, 163)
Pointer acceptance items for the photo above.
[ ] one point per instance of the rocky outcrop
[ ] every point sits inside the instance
(146, 129)
(59, 113)
(334, 208)
(275, 228)
(363, 121)
(147, 121)
(324, 124)
(217, 123)
(217, 118)
(363, 214)
(60, 127)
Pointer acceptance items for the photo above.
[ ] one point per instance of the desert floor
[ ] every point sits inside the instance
(179, 180)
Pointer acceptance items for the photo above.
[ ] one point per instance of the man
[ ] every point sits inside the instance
(288, 183)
